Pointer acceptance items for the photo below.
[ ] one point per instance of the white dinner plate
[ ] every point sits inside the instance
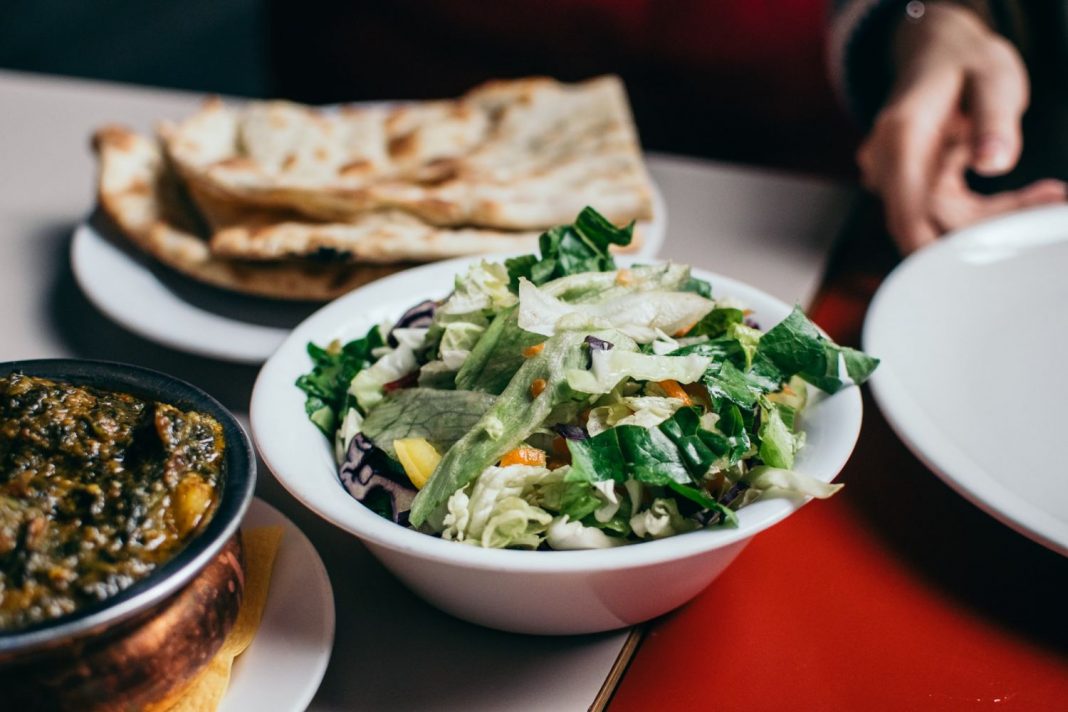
(163, 306)
(282, 668)
(973, 336)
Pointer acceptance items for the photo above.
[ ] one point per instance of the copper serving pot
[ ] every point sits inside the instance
(147, 642)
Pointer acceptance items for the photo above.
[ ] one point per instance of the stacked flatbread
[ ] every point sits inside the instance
(282, 200)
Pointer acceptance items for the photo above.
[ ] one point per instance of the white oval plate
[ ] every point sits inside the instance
(180, 313)
(282, 668)
(303, 462)
(974, 376)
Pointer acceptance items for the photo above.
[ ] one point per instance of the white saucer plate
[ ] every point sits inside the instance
(163, 306)
(973, 339)
(283, 667)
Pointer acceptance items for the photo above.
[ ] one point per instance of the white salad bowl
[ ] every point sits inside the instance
(541, 592)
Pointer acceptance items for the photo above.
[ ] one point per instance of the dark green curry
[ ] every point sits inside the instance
(96, 490)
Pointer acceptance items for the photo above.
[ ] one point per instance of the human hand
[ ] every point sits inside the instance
(956, 104)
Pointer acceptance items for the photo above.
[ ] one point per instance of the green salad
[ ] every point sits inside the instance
(557, 402)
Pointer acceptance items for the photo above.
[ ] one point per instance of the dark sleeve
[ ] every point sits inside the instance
(859, 53)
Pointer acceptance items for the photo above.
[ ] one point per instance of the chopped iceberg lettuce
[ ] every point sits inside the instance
(483, 288)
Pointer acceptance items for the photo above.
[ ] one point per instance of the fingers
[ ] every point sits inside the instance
(957, 103)
(957, 207)
(900, 158)
(1043, 192)
(996, 96)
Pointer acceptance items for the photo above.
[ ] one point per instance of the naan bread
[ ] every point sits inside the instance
(511, 155)
(256, 233)
(144, 199)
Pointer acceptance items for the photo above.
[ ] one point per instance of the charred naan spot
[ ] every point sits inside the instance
(438, 171)
(320, 153)
(114, 136)
(461, 111)
(235, 162)
(404, 145)
(357, 167)
(289, 161)
(438, 211)
(496, 114)
(139, 187)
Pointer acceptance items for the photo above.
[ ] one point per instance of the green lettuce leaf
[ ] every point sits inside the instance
(499, 351)
(511, 420)
(716, 322)
(697, 286)
(497, 354)
(726, 514)
(795, 346)
(677, 450)
(779, 444)
(442, 417)
(333, 368)
(571, 249)
(616, 364)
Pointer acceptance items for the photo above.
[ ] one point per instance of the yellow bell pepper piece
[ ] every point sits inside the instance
(419, 459)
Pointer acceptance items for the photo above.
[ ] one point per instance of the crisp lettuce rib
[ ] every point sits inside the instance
(441, 417)
(512, 418)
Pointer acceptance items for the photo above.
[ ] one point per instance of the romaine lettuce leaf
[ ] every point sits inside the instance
(441, 417)
(571, 249)
(716, 322)
(497, 354)
(627, 452)
(778, 443)
(697, 286)
(795, 346)
(512, 418)
(680, 450)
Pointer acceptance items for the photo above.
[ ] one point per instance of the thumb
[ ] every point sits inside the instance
(997, 95)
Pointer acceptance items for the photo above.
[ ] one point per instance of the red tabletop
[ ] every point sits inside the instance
(896, 594)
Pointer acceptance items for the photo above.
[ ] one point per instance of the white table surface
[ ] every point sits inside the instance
(391, 650)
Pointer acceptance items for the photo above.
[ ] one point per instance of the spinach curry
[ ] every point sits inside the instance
(96, 490)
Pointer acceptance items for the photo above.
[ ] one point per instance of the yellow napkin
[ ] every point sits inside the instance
(207, 689)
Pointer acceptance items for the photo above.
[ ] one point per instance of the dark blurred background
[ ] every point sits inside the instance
(203, 45)
(740, 80)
